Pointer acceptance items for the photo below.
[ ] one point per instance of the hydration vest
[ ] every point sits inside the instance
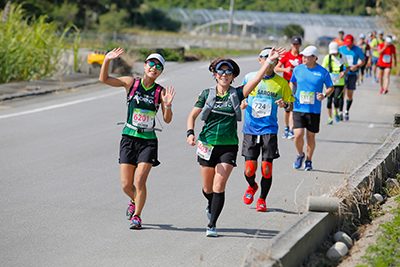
(330, 63)
(212, 98)
(131, 96)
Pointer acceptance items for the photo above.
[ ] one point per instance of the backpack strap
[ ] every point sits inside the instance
(330, 63)
(235, 102)
(210, 102)
(157, 95)
(133, 90)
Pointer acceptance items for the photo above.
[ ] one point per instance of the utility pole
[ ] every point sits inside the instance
(230, 16)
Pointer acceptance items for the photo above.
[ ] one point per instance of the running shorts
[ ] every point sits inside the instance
(310, 121)
(135, 150)
(253, 144)
(221, 154)
(374, 60)
(350, 81)
(382, 68)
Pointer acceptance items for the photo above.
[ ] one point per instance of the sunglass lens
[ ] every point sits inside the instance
(151, 64)
(227, 72)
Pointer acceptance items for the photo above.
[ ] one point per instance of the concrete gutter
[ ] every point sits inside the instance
(296, 243)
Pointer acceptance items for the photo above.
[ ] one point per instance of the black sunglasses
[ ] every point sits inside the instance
(227, 72)
(152, 64)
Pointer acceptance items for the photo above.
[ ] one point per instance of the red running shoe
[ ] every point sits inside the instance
(381, 91)
(249, 195)
(261, 205)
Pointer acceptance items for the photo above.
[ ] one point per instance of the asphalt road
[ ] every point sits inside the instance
(62, 203)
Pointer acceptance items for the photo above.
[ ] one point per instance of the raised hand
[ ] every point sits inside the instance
(276, 53)
(168, 95)
(115, 53)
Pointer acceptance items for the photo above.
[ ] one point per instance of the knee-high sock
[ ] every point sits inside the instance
(209, 198)
(265, 186)
(348, 104)
(216, 208)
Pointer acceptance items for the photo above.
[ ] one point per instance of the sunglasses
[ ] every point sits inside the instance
(227, 72)
(152, 64)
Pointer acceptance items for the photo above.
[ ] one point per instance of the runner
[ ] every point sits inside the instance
(387, 56)
(260, 128)
(367, 53)
(218, 141)
(336, 64)
(375, 55)
(310, 78)
(138, 147)
(286, 64)
(368, 68)
(339, 40)
(353, 54)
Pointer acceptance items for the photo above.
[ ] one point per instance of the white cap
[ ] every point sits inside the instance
(333, 48)
(265, 52)
(362, 36)
(310, 51)
(380, 32)
(388, 40)
(158, 57)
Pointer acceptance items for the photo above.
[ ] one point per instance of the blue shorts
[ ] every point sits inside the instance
(374, 60)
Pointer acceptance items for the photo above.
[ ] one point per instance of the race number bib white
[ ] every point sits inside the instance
(350, 60)
(143, 118)
(386, 58)
(204, 150)
(307, 98)
(335, 78)
(261, 107)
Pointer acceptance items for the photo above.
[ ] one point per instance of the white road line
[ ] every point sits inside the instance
(58, 106)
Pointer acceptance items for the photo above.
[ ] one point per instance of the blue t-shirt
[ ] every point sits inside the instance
(309, 83)
(260, 116)
(353, 55)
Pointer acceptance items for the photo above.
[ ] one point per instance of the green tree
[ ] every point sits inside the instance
(114, 20)
(293, 30)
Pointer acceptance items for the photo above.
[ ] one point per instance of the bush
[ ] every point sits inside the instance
(293, 30)
(30, 48)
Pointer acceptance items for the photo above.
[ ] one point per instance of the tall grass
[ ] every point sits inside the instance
(30, 48)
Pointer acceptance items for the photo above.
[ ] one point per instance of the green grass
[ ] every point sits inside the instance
(386, 251)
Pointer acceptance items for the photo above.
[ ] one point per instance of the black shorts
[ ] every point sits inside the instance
(268, 143)
(382, 68)
(350, 81)
(135, 150)
(310, 121)
(221, 154)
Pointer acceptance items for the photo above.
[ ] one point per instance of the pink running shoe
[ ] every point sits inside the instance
(249, 195)
(136, 222)
(261, 205)
(130, 210)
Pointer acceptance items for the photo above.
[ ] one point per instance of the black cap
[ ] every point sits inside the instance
(296, 40)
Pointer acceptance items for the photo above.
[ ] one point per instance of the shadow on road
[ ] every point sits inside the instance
(349, 142)
(226, 232)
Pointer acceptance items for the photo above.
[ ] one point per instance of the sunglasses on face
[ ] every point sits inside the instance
(227, 72)
(152, 64)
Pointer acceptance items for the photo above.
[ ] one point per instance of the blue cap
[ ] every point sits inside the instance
(224, 62)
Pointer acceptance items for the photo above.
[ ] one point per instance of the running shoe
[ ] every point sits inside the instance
(346, 116)
(261, 205)
(130, 210)
(290, 135)
(385, 91)
(341, 116)
(308, 166)
(208, 213)
(136, 222)
(381, 91)
(375, 80)
(285, 133)
(330, 121)
(211, 232)
(249, 195)
(337, 119)
(299, 161)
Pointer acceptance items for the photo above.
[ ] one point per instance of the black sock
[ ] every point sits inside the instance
(209, 198)
(265, 186)
(251, 179)
(216, 208)
(348, 104)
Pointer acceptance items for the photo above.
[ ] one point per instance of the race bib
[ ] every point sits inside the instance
(143, 118)
(335, 78)
(350, 60)
(307, 98)
(386, 58)
(261, 107)
(204, 150)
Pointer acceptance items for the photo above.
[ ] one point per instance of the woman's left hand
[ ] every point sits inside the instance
(167, 96)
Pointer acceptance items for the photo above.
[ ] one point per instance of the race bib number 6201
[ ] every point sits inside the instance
(143, 118)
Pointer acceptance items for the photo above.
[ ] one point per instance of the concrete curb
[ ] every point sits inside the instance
(38, 91)
(293, 245)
